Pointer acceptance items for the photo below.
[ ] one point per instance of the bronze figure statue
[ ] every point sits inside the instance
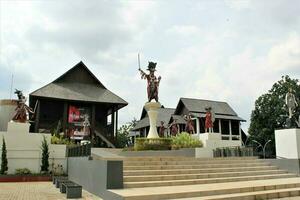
(189, 126)
(152, 81)
(290, 102)
(162, 129)
(22, 110)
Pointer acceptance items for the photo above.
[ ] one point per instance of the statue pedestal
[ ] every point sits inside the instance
(17, 127)
(287, 142)
(152, 110)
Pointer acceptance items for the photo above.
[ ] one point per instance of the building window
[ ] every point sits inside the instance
(216, 126)
(235, 127)
(225, 127)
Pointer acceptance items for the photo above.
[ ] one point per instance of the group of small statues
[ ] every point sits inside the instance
(174, 128)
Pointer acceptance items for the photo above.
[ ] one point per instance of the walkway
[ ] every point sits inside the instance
(36, 191)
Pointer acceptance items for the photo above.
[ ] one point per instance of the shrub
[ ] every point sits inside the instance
(122, 140)
(45, 155)
(22, 171)
(57, 139)
(185, 140)
(4, 167)
(152, 144)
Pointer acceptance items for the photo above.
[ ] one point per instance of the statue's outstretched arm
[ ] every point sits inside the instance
(143, 74)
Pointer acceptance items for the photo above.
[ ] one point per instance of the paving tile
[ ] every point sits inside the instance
(36, 191)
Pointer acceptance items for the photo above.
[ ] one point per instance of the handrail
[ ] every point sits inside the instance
(109, 144)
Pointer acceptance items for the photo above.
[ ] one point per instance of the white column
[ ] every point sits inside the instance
(197, 125)
(230, 130)
(220, 128)
(152, 110)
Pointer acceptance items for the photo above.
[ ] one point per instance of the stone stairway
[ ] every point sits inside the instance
(190, 178)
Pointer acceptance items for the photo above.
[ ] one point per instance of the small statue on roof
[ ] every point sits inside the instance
(152, 81)
(22, 110)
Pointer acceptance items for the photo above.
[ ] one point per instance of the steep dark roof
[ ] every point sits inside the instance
(199, 105)
(79, 84)
(164, 114)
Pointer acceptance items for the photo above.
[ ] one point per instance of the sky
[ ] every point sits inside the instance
(231, 51)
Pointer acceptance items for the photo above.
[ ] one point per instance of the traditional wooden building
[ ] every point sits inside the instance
(77, 99)
(227, 122)
(143, 125)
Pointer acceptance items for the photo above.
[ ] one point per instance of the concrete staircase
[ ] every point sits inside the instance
(190, 178)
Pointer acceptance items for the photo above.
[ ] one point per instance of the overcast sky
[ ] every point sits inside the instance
(229, 51)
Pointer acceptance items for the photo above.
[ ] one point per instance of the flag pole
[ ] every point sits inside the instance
(139, 61)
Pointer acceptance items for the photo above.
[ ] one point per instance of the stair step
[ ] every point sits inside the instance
(176, 158)
(203, 181)
(194, 171)
(266, 194)
(264, 189)
(188, 162)
(200, 176)
(202, 166)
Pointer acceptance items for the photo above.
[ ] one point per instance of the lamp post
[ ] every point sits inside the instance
(263, 147)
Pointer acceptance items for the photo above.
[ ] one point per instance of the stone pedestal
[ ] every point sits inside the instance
(17, 127)
(152, 110)
(287, 142)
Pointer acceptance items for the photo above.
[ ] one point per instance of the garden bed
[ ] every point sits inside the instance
(25, 177)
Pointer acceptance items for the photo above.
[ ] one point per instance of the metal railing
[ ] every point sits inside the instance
(233, 152)
(79, 151)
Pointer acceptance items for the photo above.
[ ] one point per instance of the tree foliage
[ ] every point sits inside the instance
(45, 155)
(123, 131)
(270, 111)
(4, 166)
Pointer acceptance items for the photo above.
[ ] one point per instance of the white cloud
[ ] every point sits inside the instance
(286, 54)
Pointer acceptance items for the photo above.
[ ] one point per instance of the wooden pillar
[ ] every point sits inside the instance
(240, 131)
(230, 130)
(117, 122)
(37, 117)
(113, 121)
(65, 117)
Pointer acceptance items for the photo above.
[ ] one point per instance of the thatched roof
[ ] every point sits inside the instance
(79, 84)
(199, 105)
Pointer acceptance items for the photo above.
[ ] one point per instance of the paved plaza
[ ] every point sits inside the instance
(36, 191)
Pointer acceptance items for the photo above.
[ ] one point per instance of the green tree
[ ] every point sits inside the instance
(270, 112)
(123, 131)
(4, 167)
(45, 155)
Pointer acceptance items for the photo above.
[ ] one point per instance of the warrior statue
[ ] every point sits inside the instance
(152, 82)
(22, 110)
(290, 102)
(162, 129)
(209, 120)
(189, 126)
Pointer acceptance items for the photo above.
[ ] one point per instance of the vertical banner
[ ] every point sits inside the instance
(79, 122)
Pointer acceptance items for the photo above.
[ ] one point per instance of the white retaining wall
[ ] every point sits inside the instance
(24, 149)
